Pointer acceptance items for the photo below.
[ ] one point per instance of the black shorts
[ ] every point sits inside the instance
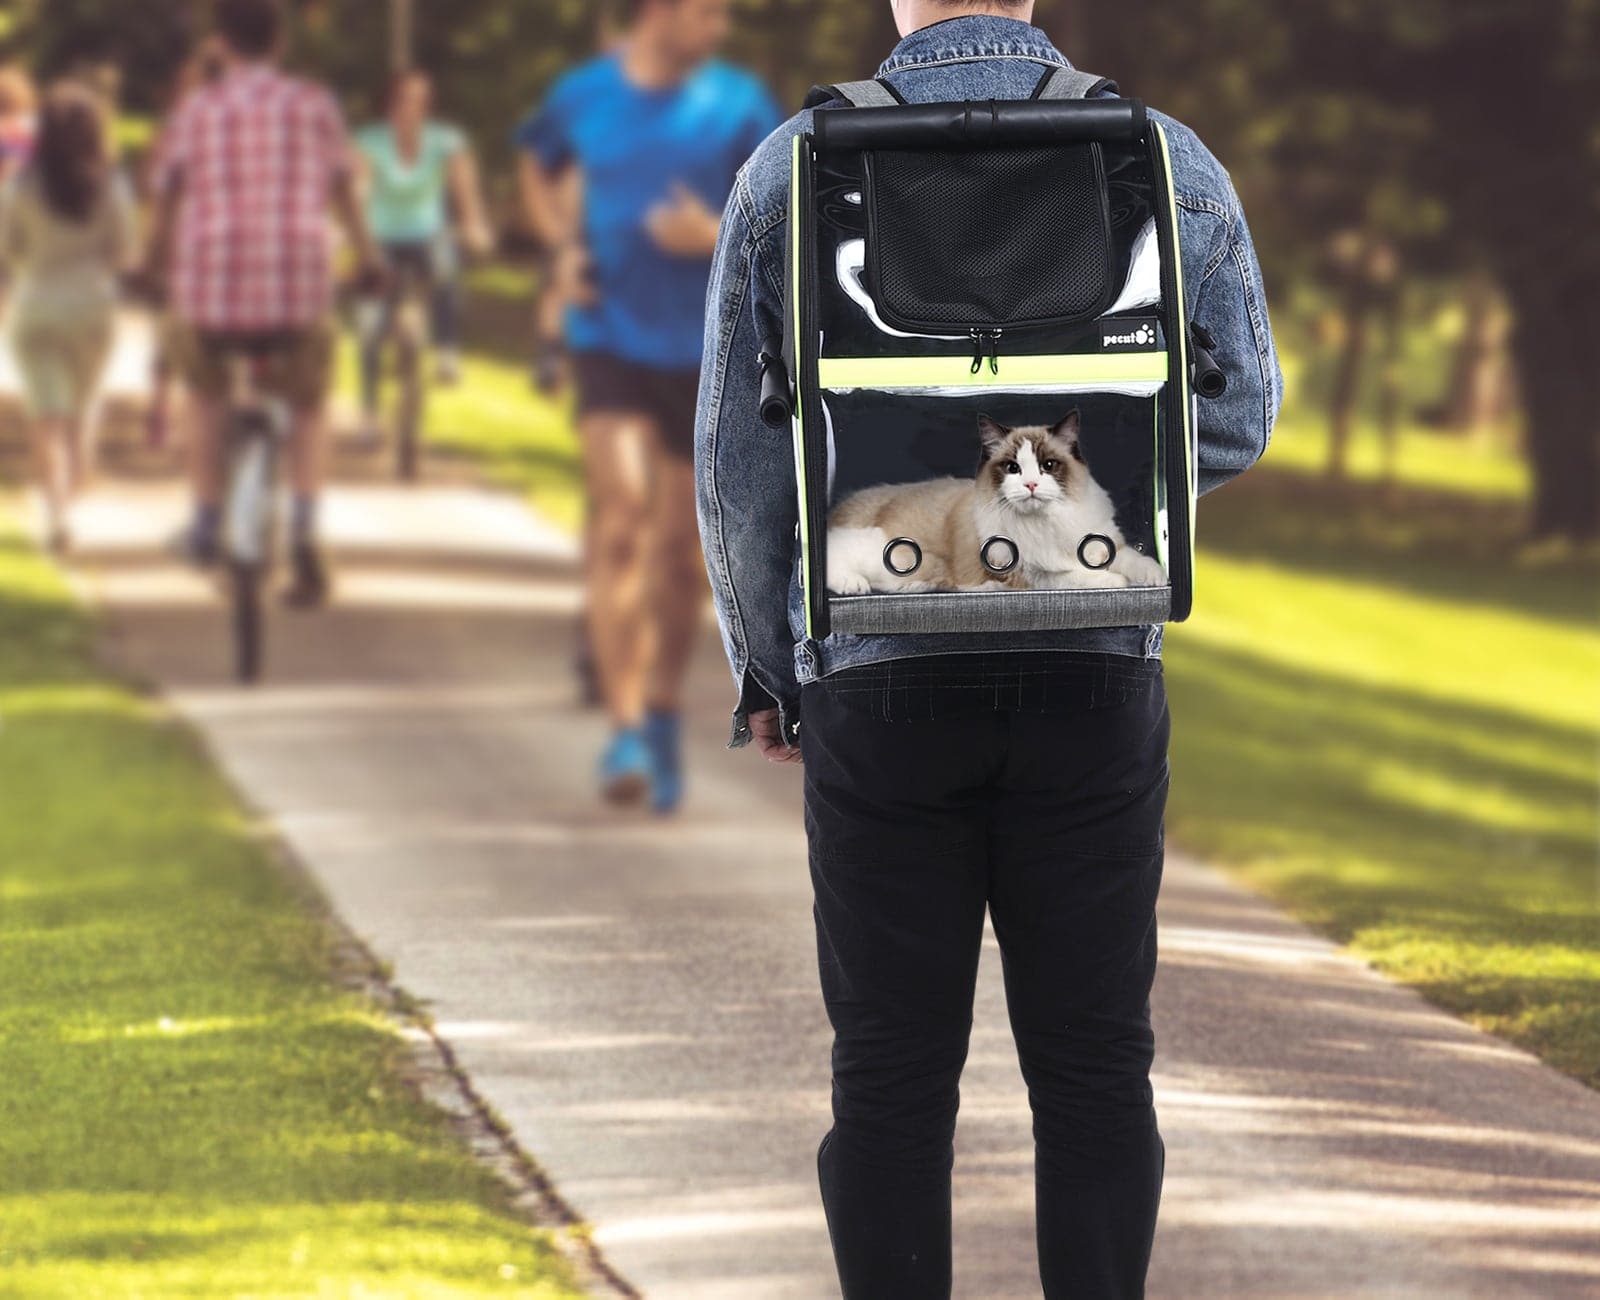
(608, 385)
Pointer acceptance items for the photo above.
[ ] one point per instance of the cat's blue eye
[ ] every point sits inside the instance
(1049, 466)
(1013, 468)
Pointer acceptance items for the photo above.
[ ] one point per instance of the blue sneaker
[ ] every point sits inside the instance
(664, 734)
(627, 767)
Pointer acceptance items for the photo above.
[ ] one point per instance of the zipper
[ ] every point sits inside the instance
(985, 346)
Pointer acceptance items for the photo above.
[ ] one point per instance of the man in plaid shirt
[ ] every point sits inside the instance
(248, 173)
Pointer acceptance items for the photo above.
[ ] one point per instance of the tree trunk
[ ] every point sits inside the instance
(1475, 373)
(1537, 235)
(1346, 392)
(1555, 341)
(1391, 390)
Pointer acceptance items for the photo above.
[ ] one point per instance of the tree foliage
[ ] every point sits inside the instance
(1464, 134)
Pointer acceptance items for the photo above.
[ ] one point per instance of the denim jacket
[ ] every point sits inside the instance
(747, 495)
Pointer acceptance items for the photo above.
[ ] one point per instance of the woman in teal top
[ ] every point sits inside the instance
(418, 172)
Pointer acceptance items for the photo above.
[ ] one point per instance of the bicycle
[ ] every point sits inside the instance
(255, 431)
(401, 316)
(256, 427)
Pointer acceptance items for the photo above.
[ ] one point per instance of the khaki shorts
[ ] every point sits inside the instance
(301, 372)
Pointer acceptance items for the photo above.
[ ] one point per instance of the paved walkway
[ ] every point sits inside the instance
(639, 1000)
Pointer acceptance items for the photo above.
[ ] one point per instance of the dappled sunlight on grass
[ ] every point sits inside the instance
(1365, 630)
(1485, 802)
(106, 702)
(1429, 544)
(114, 1245)
(1404, 762)
(524, 440)
(1488, 468)
(192, 1106)
(494, 416)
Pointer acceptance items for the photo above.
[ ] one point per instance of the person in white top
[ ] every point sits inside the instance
(67, 229)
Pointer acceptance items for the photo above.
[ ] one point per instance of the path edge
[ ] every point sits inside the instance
(431, 1066)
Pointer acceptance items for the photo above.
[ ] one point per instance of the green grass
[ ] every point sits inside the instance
(497, 419)
(192, 1106)
(524, 440)
(1389, 722)
(1388, 712)
(1486, 467)
(133, 134)
(504, 281)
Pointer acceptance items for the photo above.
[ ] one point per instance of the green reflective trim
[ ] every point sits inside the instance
(1183, 346)
(1015, 372)
(795, 219)
(1156, 493)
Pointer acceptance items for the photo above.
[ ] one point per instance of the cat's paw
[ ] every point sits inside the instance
(850, 583)
(1140, 569)
(1096, 578)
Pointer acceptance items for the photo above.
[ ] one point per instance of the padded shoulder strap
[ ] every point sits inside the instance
(1071, 83)
(858, 94)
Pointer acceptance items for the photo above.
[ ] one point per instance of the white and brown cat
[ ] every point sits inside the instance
(1034, 488)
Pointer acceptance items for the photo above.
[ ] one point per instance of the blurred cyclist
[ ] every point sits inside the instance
(249, 170)
(204, 67)
(657, 130)
(416, 170)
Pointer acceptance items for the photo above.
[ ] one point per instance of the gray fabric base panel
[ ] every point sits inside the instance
(999, 611)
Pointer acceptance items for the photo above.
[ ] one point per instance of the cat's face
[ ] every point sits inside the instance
(1029, 469)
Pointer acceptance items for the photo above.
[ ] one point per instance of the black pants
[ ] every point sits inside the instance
(1051, 818)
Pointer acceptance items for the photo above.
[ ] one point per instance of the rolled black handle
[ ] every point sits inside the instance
(1210, 381)
(981, 124)
(777, 395)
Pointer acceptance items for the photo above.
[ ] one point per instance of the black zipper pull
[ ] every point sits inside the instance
(985, 347)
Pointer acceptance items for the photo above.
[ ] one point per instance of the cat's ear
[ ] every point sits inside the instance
(993, 434)
(1069, 431)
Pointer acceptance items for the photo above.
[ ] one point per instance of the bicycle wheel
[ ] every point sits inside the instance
(249, 624)
(249, 535)
(411, 348)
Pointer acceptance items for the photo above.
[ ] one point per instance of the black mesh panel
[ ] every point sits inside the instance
(961, 240)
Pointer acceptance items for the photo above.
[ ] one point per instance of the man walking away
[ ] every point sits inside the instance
(947, 775)
(656, 130)
(249, 169)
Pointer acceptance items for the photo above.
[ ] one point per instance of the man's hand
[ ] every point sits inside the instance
(684, 226)
(767, 731)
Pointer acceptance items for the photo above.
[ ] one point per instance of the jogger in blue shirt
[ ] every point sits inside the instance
(627, 167)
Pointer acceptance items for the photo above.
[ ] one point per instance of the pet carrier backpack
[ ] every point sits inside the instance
(987, 366)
